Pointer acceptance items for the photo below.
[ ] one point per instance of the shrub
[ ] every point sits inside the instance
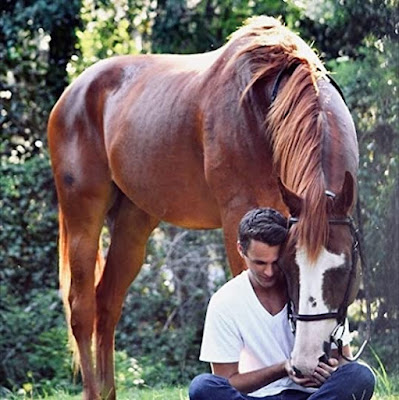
(28, 226)
(165, 308)
(30, 310)
(33, 342)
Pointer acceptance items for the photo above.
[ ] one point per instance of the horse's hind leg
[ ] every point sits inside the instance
(131, 228)
(83, 205)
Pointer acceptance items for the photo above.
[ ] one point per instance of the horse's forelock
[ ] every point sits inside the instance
(313, 224)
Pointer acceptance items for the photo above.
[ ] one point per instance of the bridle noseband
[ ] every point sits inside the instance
(341, 313)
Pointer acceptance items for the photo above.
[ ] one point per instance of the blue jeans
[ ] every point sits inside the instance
(351, 381)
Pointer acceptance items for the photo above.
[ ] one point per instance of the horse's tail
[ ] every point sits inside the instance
(65, 281)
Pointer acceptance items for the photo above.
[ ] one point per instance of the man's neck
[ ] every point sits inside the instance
(273, 299)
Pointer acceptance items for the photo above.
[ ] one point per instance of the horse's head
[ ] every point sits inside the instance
(320, 290)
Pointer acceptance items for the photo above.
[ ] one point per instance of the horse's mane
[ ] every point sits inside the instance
(294, 121)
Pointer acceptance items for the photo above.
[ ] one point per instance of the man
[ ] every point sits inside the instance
(247, 337)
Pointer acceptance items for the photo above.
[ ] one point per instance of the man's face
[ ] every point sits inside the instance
(261, 261)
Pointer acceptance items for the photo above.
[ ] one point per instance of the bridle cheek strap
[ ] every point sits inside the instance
(339, 315)
(338, 342)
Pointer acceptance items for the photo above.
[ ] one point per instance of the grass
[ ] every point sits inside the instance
(383, 392)
(141, 394)
(387, 388)
(386, 397)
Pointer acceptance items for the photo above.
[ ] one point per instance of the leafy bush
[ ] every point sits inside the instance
(33, 342)
(30, 310)
(28, 226)
(128, 372)
(165, 308)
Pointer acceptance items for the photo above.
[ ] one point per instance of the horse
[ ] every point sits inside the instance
(197, 141)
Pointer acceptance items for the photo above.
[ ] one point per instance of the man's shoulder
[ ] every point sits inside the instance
(231, 292)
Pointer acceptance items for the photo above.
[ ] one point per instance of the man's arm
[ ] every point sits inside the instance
(346, 351)
(249, 381)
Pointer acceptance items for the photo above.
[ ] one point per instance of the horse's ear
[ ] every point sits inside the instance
(345, 199)
(291, 200)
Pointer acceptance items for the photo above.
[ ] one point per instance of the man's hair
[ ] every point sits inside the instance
(263, 224)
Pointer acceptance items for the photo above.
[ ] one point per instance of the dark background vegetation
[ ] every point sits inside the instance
(44, 44)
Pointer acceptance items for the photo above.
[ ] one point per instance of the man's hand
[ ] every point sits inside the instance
(303, 381)
(322, 372)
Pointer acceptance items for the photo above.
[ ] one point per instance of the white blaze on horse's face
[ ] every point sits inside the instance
(310, 335)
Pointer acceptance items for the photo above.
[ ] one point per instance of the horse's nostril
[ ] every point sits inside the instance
(298, 373)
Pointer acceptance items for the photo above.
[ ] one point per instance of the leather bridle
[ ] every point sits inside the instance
(341, 313)
(288, 71)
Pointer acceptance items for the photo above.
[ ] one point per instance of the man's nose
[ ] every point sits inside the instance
(268, 271)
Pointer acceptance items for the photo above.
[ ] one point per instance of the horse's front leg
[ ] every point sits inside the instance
(230, 220)
(131, 229)
(231, 217)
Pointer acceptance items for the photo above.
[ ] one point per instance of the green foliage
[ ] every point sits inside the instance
(386, 386)
(371, 85)
(38, 37)
(191, 27)
(107, 31)
(33, 347)
(28, 226)
(165, 308)
(164, 393)
(128, 372)
(30, 311)
(340, 27)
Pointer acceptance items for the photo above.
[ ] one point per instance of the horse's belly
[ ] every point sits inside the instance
(167, 181)
(173, 197)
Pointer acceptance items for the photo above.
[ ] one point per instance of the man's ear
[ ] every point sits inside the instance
(240, 249)
(291, 200)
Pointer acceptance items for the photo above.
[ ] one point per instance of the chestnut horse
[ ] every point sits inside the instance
(198, 140)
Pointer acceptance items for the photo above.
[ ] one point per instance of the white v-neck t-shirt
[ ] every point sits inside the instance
(239, 329)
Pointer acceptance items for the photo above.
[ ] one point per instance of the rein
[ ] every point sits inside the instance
(290, 70)
(341, 314)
